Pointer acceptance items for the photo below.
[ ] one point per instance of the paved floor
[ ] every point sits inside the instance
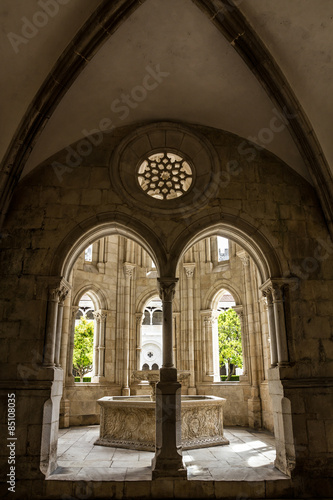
(248, 457)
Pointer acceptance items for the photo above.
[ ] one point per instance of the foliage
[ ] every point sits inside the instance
(230, 341)
(83, 347)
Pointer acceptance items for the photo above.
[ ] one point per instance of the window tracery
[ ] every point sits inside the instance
(165, 176)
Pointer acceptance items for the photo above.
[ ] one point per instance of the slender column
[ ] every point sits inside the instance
(138, 322)
(267, 293)
(65, 337)
(71, 341)
(55, 294)
(209, 351)
(63, 292)
(254, 403)
(167, 293)
(96, 342)
(128, 270)
(101, 347)
(240, 313)
(204, 344)
(189, 270)
(168, 460)
(280, 325)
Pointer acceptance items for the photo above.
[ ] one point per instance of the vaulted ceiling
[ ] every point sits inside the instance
(237, 66)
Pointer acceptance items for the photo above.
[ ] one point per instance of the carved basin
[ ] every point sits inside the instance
(129, 422)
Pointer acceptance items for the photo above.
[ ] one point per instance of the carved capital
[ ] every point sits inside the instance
(74, 310)
(189, 269)
(60, 292)
(139, 318)
(167, 288)
(128, 269)
(100, 315)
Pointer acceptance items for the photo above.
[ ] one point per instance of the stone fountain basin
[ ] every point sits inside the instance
(129, 422)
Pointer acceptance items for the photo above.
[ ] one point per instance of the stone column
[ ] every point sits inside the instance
(280, 324)
(63, 292)
(239, 311)
(267, 293)
(55, 294)
(189, 270)
(138, 322)
(71, 342)
(168, 460)
(101, 342)
(254, 403)
(207, 345)
(128, 271)
(97, 325)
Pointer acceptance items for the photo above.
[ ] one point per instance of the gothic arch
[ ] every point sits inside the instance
(212, 295)
(253, 241)
(93, 229)
(97, 295)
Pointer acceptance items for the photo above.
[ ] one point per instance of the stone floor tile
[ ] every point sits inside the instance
(101, 474)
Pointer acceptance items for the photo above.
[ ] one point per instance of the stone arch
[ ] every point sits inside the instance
(212, 294)
(248, 236)
(97, 295)
(94, 229)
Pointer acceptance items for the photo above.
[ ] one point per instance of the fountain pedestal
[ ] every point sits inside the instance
(168, 451)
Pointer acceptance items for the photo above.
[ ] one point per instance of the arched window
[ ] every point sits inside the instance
(229, 339)
(222, 248)
(151, 334)
(84, 340)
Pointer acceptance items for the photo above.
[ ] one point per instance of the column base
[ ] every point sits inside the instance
(168, 468)
(126, 391)
(192, 391)
(168, 460)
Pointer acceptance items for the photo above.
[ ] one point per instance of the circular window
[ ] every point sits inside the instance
(165, 176)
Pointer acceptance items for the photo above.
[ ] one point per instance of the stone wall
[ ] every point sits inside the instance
(256, 200)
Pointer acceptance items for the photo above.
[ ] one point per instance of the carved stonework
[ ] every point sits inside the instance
(167, 288)
(100, 315)
(189, 269)
(129, 270)
(129, 422)
(59, 293)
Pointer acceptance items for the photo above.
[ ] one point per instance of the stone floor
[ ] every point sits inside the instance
(248, 457)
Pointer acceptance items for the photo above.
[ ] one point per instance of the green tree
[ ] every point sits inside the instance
(83, 347)
(230, 340)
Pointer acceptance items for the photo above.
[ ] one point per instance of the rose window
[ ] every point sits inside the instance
(165, 176)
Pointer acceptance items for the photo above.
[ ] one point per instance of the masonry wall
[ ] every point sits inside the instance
(257, 191)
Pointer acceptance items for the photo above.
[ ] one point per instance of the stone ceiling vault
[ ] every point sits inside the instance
(225, 61)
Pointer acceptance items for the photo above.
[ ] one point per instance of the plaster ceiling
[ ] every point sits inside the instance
(25, 64)
(208, 83)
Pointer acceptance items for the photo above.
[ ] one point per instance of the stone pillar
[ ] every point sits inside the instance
(101, 342)
(254, 402)
(273, 289)
(189, 270)
(207, 345)
(63, 292)
(168, 460)
(267, 293)
(56, 293)
(128, 271)
(138, 322)
(97, 325)
(280, 324)
(245, 344)
(71, 343)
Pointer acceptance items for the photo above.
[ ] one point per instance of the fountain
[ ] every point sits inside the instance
(129, 421)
